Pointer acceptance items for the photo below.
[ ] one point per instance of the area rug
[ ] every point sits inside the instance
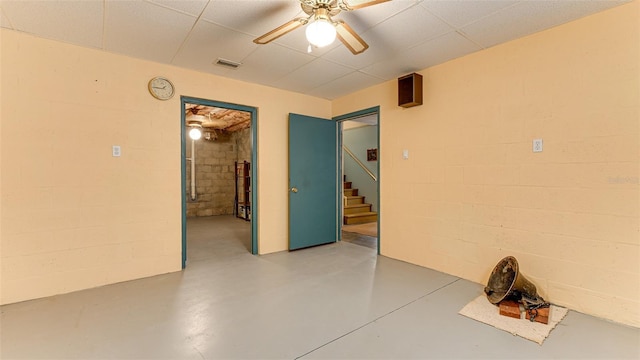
(482, 310)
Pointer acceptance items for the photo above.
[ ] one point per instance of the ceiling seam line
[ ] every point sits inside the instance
(464, 35)
(195, 23)
(294, 70)
(12, 27)
(456, 29)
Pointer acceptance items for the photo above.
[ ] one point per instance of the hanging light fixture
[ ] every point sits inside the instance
(195, 133)
(194, 122)
(321, 32)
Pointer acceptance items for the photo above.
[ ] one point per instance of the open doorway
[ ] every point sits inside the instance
(218, 158)
(359, 143)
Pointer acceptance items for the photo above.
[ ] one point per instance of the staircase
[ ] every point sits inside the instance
(356, 211)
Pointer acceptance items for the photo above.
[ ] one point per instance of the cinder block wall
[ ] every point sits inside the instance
(242, 141)
(473, 191)
(74, 217)
(215, 179)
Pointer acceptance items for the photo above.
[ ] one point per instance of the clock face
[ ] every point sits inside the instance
(161, 88)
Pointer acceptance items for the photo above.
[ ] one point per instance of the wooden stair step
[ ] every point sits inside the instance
(347, 184)
(357, 208)
(360, 218)
(351, 200)
(350, 192)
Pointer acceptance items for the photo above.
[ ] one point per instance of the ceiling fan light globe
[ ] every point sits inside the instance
(320, 33)
(195, 133)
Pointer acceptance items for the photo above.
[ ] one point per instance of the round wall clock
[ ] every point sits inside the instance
(161, 88)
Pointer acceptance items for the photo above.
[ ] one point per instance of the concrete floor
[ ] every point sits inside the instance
(359, 239)
(337, 301)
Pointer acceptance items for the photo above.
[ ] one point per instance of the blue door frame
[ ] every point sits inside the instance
(350, 116)
(254, 172)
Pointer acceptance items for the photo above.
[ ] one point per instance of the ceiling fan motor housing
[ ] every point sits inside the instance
(312, 7)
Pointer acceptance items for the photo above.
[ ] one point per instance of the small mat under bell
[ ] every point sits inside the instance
(483, 311)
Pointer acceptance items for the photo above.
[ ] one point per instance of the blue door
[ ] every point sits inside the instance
(313, 184)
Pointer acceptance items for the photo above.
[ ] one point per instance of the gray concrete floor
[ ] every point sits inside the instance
(359, 239)
(337, 301)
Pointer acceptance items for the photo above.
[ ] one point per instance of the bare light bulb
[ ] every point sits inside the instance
(320, 33)
(195, 133)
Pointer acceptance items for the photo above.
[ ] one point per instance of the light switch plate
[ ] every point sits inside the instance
(405, 154)
(537, 145)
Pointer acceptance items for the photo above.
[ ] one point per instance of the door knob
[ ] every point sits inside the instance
(294, 189)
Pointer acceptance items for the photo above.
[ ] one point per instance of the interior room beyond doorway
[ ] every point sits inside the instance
(360, 180)
(218, 179)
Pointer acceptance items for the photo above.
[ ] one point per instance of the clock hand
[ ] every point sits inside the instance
(155, 87)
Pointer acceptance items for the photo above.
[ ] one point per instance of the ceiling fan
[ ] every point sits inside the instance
(322, 29)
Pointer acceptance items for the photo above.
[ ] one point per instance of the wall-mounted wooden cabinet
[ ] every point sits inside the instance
(410, 90)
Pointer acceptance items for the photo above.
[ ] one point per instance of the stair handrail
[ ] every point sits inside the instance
(346, 149)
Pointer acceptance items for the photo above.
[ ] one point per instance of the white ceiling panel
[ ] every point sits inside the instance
(568, 10)
(345, 85)
(190, 7)
(363, 19)
(74, 21)
(312, 75)
(376, 52)
(271, 63)
(144, 30)
(462, 12)
(401, 31)
(432, 52)
(528, 17)
(441, 49)
(4, 21)
(208, 42)
(403, 35)
(254, 17)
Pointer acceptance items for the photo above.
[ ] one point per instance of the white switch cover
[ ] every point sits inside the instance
(115, 151)
(405, 154)
(537, 145)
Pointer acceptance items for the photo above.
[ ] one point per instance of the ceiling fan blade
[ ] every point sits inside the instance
(281, 30)
(359, 4)
(349, 38)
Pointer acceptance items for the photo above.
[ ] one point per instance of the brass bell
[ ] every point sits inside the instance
(507, 283)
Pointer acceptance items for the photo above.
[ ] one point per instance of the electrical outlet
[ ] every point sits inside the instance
(405, 154)
(537, 145)
(116, 151)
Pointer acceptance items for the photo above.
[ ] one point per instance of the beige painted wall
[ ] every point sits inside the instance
(472, 190)
(73, 216)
